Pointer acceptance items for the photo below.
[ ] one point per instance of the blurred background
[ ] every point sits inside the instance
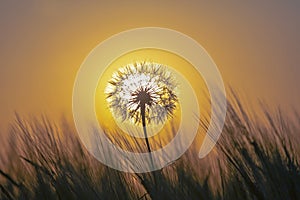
(43, 43)
(255, 44)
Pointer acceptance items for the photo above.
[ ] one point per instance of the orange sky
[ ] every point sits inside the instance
(42, 45)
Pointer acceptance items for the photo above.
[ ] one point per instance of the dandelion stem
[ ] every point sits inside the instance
(143, 110)
(143, 113)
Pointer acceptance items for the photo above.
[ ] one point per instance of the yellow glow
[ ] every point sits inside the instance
(178, 64)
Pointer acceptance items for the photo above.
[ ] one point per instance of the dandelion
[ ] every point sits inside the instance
(142, 93)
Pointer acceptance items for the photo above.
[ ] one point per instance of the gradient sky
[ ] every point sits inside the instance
(255, 44)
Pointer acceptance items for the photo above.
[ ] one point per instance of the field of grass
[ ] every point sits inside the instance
(255, 158)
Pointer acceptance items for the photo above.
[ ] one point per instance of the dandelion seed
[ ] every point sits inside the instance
(142, 93)
(142, 90)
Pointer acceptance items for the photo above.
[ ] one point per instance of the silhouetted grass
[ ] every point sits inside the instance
(257, 157)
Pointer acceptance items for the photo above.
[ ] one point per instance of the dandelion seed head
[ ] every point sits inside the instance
(141, 83)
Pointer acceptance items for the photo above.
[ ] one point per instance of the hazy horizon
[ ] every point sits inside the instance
(254, 44)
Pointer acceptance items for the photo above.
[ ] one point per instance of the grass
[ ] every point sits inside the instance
(257, 157)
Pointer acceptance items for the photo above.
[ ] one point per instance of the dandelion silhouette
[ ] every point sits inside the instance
(142, 93)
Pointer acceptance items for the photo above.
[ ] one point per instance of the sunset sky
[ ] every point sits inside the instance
(255, 44)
